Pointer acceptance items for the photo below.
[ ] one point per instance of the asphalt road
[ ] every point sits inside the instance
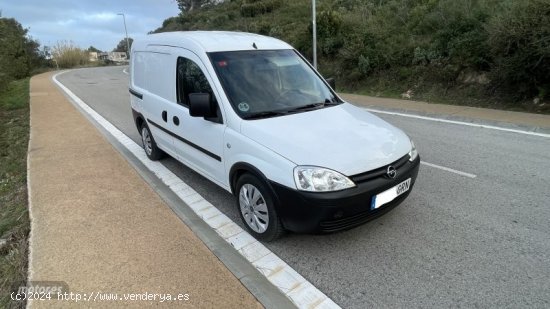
(455, 242)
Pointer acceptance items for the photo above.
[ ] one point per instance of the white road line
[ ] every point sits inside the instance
(448, 169)
(459, 123)
(300, 291)
(125, 71)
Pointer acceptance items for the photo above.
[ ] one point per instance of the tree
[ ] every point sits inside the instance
(46, 52)
(520, 44)
(121, 46)
(190, 5)
(35, 58)
(93, 49)
(19, 54)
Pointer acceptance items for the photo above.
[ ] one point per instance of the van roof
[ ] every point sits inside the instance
(213, 41)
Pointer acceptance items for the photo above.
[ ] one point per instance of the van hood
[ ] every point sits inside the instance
(344, 138)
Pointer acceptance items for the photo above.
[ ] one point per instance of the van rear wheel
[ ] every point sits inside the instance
(257, 209)
(149, 145)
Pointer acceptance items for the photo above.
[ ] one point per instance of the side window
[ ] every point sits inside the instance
(190, 79)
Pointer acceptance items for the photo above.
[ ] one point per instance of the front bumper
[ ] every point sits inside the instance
(305, 212)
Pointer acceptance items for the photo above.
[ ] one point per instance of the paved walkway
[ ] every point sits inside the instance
(99, 227)
(515, 118)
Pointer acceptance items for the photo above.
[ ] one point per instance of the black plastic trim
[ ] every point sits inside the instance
(135, 93)
(248, 168)
(325, 212)
(138, 119)
(379, 172)
(199, 148)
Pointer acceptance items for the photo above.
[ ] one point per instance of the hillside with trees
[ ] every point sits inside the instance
(491, 53)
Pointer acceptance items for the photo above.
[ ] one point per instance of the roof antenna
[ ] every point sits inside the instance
(254, 45)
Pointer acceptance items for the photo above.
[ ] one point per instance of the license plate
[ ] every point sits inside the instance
(390, 194)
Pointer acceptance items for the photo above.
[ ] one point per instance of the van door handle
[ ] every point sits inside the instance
(164, 116)
(176, 120)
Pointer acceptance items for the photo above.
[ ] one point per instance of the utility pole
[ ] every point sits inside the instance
(314, 23)
(127, 41)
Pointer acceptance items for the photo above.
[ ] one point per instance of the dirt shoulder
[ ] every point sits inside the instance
(516, 118)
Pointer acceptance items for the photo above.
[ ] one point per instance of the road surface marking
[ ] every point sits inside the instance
(448, 169)
(477, 125)
(125, 71)
(293, 285)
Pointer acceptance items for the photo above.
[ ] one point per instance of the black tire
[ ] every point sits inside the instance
(150, 146)
(274, 228)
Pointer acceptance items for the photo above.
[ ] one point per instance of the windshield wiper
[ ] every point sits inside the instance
(265, 114)
(306, 107)
(333, 101)
(312, 106)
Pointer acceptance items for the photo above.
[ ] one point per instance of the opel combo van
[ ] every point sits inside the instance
(249, 113)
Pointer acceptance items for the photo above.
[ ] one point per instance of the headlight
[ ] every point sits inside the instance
(413, 153)
(318, 179)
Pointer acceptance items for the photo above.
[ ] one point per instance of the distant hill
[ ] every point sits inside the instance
(493, 53)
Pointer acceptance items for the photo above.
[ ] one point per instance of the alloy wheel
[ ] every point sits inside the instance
(146, 140)
(253, 208)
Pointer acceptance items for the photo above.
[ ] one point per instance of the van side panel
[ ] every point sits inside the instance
(152, 79)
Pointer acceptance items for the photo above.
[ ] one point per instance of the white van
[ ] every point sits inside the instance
(249, 113)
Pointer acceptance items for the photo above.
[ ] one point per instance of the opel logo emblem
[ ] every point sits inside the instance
(391, 172)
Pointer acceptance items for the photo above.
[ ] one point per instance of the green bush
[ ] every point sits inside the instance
(252, 8)
(329, 38)
(519, 41)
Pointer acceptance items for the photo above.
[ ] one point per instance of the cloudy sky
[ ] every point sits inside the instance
(88, 22)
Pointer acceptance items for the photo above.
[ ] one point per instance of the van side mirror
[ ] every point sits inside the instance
(200, 105)
(332, 83)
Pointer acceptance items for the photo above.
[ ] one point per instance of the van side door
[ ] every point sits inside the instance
(201, 142)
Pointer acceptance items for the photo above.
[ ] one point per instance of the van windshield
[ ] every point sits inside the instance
(269, 83)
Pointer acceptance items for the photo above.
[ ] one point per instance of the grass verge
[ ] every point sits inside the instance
(14, 217)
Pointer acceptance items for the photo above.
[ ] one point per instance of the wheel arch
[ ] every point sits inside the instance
(240, 168)
(139, 120)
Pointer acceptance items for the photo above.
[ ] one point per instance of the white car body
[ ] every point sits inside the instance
(342, 138)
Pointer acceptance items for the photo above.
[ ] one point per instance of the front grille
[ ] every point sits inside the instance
(379, 172)
(360, 218)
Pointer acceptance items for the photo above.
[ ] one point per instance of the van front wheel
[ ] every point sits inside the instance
(256, 207)
(151, 150)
